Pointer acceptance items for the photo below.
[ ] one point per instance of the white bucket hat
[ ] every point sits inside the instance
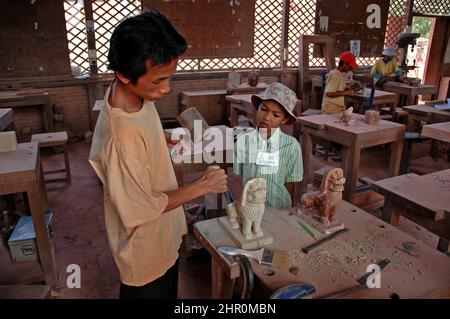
(389, 52)
(281, 94)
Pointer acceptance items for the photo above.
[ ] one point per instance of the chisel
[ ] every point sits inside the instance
(324, 240)
(361, 286)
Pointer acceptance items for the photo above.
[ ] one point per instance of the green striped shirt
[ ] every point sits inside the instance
(290, 168)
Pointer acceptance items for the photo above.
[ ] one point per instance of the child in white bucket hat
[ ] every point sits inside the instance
(267, 152)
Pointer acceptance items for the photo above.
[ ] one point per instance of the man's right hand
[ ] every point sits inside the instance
(214, 180)
(349, 92)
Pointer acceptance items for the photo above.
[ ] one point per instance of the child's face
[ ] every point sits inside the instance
(271, 115)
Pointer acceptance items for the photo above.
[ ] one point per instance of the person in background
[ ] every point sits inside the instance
(335, 89)
(386, 67)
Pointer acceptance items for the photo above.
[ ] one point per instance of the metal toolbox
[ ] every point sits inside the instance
(22, 242)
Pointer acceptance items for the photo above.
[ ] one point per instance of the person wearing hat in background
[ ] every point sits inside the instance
(386, 67)
(266, 152)
(335, 88)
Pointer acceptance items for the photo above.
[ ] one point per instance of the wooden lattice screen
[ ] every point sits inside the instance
(76, 34)
(107, 14)
(267, 39)
(396, 21)
(432, 7)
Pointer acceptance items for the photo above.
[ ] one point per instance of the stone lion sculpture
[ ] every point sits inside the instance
(249, 211)
(328, 196)
(346, 116)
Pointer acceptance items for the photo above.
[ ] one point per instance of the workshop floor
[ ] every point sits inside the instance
(81, 237)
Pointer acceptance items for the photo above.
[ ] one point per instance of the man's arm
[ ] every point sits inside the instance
(334, 85)
(290, 188)
(348, 92)
(213, 182)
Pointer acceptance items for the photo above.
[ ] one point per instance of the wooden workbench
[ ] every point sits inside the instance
(424, 113)
(360, 100)
(244, 88)
(410, 92)
(6, 119)
(422, 199)
(21, 172)
(13, 99)
(211, 103)
(437, 131)
(354, 138)
(241, 104)
(337, 264)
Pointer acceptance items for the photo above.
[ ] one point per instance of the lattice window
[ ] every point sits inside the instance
(301, 21)
(396, 21)
(76, 34)
(432, 7)
(107, 14)
(267, 43)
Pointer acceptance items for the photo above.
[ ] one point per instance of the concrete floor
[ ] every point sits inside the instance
(81, 237)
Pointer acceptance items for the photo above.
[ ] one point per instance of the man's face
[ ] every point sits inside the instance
(154, 85)
(346, 67)
(270, 115)
(387, 58)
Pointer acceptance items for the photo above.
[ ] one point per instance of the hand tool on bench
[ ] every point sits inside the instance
(324, 240)
(361, 286)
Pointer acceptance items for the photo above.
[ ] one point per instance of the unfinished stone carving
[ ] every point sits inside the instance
(372, 117)
(253, 78)
(249, 211)
(346, 117)
(327, 197)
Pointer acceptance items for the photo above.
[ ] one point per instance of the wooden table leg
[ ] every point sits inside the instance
(443, 245)
(67, 164)
(47, 114)
(306, 154)
(313, 96)
(42, 241)
(350, 164)
(390, 213)
(42, 188)
(411, 123)
(411, 99)
(234, 116)
(222, 286)
(396, 156)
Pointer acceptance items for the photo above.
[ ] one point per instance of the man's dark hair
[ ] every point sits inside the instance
(149, 35)
(341, 63)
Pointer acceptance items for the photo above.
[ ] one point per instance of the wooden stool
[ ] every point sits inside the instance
(51, 140)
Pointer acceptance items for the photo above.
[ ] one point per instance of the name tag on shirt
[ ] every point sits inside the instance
(268, 159)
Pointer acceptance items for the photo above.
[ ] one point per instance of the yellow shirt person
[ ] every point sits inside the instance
(335, 89)
(335, 82)
(386, 66)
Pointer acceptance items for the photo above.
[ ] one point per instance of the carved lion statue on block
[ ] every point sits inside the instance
(328, 196)
(249, 211)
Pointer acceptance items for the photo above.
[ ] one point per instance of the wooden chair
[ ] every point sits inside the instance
(55, 139)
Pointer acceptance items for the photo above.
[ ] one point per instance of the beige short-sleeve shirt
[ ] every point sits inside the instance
(130, 155)
(335, 82)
